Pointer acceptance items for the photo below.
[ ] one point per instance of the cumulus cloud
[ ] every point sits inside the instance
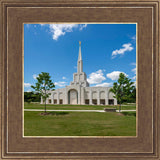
(134, 64)
(134, 70)
(134, 77)
(96, 77)
(115, 75)
(63, 77)
(60, 84)
(133, 38)
(82, 26)
(58, 30)
(27, 84)
(35, 76)
(121, 51)
(105, 84)
(29, 90)
(42, 24)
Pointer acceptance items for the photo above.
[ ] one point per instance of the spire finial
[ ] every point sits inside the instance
(80, 43)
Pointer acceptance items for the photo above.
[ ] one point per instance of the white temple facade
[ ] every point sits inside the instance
(79, 91)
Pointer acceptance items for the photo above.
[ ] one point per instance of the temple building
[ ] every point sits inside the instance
(79, 91)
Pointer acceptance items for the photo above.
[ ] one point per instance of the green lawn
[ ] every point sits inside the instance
(74, 107)
(79, 123)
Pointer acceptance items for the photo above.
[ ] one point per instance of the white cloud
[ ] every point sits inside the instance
(63, 77)
(29, 90)
(42, 24)
(58, 30)
(82, 26)
(60, 84)
(115, 75)
(96, 77)
(121, 51)
(133, 64)
(134, 77)
(133, 37)
(35, 76)
(134, 70)
(105, 84)
(27, 84)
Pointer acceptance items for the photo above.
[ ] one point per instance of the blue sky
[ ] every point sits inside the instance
(107, 50)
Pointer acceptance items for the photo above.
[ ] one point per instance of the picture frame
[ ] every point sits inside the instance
(14, 13)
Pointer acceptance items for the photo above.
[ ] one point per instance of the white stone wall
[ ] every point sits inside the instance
(99, 94)
(74, 93)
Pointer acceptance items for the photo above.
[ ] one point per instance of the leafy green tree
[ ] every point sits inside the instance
(31, 97)
(122, 89)
(43, 86)
(129, 90)
(27, 97)
(36, 97)
(133, 95)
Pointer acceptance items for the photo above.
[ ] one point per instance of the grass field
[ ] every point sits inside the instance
(75, 107)
(78, 123)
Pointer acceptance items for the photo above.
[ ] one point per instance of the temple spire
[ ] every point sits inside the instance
(80, 55)
(80, 63)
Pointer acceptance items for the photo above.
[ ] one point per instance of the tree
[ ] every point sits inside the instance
(133, 95)
(31, 97)
(43, 86)
(27, 97)
(123, 89)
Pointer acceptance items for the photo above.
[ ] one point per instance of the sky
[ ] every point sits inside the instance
(107, 50)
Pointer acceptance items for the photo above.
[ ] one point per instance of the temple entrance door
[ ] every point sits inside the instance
(73, 96)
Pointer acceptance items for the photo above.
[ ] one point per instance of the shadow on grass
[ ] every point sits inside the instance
(129, 113)
(54, 113)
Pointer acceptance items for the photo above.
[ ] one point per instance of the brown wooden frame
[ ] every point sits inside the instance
(146, 145)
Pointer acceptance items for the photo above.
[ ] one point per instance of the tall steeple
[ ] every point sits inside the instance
(80, 62)
(80, 78)
(80, 55)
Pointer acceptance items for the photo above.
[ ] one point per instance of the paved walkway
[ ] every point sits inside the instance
(75, 110)
(126, 110)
